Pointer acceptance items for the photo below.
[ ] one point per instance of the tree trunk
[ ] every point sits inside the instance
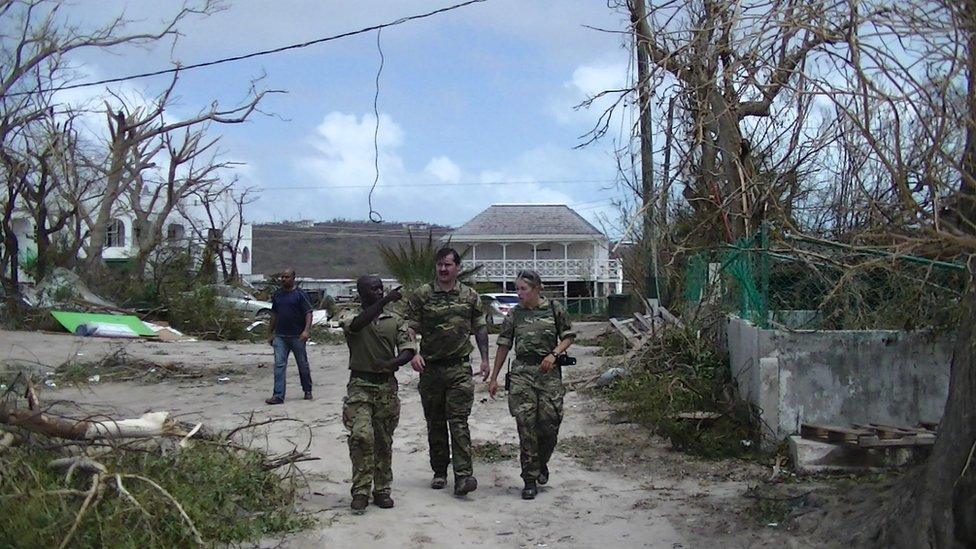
(938, 508)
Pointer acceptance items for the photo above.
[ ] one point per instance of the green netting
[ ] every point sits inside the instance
(802, 284)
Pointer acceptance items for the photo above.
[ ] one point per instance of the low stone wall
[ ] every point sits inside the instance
(839, 377)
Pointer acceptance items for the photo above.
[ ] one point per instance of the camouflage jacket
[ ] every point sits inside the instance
(534, 331)
(445, 320)
(379, 341)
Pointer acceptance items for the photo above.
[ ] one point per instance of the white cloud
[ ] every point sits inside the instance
(444, 169)
(588, 81)
(593, 79)
(339, 167)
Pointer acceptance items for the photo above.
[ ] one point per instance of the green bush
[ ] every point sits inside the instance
(683, 373)
(227, 493)
(198, 312)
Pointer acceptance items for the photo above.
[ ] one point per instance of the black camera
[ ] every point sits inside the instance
(565, 360)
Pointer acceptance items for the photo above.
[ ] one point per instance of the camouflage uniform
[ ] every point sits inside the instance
(445, 322)
(535, 399)
(371, 408)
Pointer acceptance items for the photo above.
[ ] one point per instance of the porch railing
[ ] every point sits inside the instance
(493, 270)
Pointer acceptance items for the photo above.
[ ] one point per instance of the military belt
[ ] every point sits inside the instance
(447, 361)
(372, 377)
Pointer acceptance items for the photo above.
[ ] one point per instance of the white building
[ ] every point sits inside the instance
(186, 227)
(570, 254)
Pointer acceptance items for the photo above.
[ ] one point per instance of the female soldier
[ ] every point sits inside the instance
(540, 331)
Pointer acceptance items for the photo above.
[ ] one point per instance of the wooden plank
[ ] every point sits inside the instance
(832, 433)
(876, 442)
(666, 315)
(891, 431)
(698, 415)
(625, 331)
(644, 321)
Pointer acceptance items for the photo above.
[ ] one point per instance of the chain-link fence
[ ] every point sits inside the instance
(808, 283)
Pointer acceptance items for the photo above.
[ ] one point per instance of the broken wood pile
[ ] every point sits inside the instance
(871, 435)
(643, 327)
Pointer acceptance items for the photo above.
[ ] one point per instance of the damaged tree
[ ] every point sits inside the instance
(140, 140)
(739, 72)
(33, 48)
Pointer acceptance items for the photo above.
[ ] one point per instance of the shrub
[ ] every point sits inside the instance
(198, 312)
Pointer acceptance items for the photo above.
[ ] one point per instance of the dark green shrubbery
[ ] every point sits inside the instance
(198, 312)
(683, 373)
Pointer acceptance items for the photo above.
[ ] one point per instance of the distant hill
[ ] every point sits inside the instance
(331, 249)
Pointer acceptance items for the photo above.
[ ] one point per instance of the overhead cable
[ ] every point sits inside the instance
(399, 21)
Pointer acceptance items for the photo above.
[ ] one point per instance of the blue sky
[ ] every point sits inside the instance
(483, 94)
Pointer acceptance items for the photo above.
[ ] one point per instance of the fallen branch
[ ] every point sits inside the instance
(85, 464)
(96, 483)
(291, 457)
(151, 424)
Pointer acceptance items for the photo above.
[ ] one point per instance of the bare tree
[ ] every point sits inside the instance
(221, 225)
(138, 135)
(35, 41)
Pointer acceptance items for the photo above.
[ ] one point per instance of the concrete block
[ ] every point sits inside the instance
(812, 456)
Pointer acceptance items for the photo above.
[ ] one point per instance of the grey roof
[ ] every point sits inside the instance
(527, 220)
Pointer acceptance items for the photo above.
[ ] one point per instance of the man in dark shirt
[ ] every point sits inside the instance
(291, 320)
(379, 343)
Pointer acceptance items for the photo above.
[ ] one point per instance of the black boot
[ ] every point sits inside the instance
(543, 476)
(530, 490)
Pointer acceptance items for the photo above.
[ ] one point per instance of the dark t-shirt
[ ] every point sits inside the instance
(290, 308)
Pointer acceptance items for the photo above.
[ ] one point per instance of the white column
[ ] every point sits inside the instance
(620, 276)
(535, 256)
(474, 253)
(565, 269)
(504, 267)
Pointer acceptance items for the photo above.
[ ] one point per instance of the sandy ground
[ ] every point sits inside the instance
(613, 485)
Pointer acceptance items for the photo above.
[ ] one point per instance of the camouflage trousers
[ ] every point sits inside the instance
(447, 394)
(535, 400)
(370, 412)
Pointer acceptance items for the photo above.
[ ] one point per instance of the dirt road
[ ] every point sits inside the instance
(612, 484)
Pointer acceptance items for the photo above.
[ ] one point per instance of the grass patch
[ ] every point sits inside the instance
(228, 495)
(682, 372)
(492, 452)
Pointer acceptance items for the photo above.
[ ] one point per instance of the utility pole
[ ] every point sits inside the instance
(642, 33)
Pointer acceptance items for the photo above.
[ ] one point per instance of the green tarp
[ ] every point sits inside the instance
(71, 321)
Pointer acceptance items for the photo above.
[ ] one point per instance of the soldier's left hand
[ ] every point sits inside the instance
(548, 363)
(303, 336)
(485, 370)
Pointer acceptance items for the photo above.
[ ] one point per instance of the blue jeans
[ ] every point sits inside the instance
(282, 346)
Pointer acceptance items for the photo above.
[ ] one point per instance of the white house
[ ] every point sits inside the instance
(187, 227)
(567, 250)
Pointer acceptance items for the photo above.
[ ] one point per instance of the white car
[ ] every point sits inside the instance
(237, 298)
(497, 306)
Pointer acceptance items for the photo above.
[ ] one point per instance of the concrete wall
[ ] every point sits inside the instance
(839, 377)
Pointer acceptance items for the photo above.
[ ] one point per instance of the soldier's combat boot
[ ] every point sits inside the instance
(464, 485)
(438, 482)
(543, 476)
(530, 490)
(383, 500)
(359, 502)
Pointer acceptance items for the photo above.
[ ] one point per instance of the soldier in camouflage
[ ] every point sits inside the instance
(445, 313)
(379, 343)
(539, 330)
